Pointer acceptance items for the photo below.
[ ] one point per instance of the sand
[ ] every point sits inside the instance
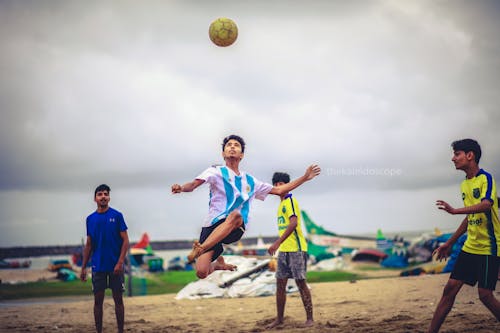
(21, 275)
(396, 304)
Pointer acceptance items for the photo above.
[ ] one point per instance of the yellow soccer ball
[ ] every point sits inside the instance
(223, 31)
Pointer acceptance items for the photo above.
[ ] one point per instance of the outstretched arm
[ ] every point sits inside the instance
(188, 187)
(311, 172)
(482, 207)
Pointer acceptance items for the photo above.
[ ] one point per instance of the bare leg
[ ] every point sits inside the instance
(486, 296)
(196, 251)
(220, 265)
(119, 309)
(232, 222)
(444, 306)
(205, 266)
(98, 301)
(280, 302)
(305, 294)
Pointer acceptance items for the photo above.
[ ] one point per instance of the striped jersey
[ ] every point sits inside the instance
(295, 241)
(483, 229)
(230, 192)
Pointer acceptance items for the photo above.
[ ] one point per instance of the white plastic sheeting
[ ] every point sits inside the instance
(331, 264)
(260, 283)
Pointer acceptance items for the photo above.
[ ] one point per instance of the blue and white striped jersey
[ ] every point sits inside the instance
(229, 192)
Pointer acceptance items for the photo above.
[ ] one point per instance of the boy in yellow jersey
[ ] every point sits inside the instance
(478, 261)
(292, 257)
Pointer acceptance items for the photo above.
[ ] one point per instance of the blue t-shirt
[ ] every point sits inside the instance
(104, 231)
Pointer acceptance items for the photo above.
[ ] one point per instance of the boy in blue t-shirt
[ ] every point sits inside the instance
(107, 242)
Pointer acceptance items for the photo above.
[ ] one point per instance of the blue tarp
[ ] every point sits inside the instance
(397, 261)
(457, 247)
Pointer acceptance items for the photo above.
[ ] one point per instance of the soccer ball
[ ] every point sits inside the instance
(223, 31)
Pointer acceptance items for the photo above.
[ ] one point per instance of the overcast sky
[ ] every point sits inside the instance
(134, 94)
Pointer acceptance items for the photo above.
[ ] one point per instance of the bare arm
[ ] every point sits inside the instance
(188, 187)
(291, 227)
(311, 172)
(86, 255)
(482, 207)
(444, 250)
(123, 252)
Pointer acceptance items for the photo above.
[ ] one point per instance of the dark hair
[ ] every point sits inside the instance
(279, 177)
(234, 137)
(100, 188)
(467, 145)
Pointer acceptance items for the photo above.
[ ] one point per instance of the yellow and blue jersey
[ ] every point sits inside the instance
(295, 242)
(483, 230)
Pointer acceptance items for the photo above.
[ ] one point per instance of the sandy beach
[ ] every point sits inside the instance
(393, 304)
(20, 275)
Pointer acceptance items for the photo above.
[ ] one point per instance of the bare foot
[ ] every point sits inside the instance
(309, 323)
(220, 265)
(274, 324)
(195, 252)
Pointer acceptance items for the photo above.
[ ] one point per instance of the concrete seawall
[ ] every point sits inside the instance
(37, 251)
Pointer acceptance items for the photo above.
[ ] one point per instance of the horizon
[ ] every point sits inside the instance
(388, 235)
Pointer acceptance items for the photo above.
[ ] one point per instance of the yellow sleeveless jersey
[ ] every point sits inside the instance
(295, 242)
(483, 230)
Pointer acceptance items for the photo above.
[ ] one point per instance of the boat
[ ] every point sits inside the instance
(77, 259)
(65, 274)
(15, 263)
(258, 249)
(320, 236)
(56, 265)
(179, 263)
(142, 255)
(371, 255)
(319, 253)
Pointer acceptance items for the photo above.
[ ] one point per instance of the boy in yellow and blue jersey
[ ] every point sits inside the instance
(478, 262)
(292, 256)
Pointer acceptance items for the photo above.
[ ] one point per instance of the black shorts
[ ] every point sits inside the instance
(234, 236)
(103, 280)
(476, 268)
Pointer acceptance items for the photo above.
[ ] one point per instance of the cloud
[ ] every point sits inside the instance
(137, 96)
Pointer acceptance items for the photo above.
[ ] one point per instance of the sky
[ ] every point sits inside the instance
(134, 94)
